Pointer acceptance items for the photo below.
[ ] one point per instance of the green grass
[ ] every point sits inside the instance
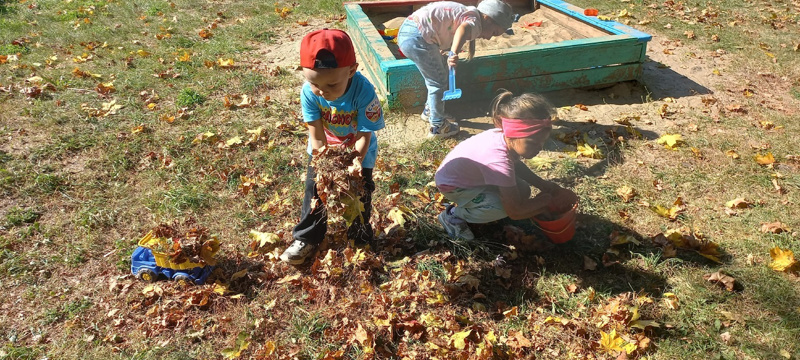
(17, 216)
(79, 191)
(67, 311)
(434, 268)
(189, 98)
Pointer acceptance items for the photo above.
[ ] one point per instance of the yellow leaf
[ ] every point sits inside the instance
(142, 53)
(623, 13)
(611, 343)
(206, 136)
(643, 324)
(459, 339)
(670, 141)
(589, 151)
(186, 57)
(269, 348)
(671, 213)
(354, 257)
(671, 301)
(236, 140)
(782, 259)
(604, 17)
(396, 215)
(220, 288)
(732, 154)
(225, 63)
(437, 299)
(766, 159)
(620, 239)
(263, 242)
(242, 343)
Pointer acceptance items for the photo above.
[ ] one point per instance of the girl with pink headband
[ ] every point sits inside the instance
(485, 176)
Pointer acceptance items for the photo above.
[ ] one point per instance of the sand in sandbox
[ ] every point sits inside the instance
(526, 32)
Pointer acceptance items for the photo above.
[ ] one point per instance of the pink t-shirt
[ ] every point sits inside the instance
(481, 160)
(439, 20)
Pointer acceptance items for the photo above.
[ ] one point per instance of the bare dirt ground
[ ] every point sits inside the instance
(675, 73)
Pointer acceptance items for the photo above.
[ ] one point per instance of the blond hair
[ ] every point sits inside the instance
(525, 106)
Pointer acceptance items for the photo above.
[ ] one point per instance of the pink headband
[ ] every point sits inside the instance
(521, 128)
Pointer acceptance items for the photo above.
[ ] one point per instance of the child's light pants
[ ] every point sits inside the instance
(477, 205)
(431, 64)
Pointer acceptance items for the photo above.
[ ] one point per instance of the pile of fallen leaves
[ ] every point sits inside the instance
(339, 183)
(189, 241)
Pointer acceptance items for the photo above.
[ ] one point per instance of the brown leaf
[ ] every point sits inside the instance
(626, 193)
(777, 186)
(738, 203)
(589, 263)
(205, 34)
(776, 227)
(726, 281)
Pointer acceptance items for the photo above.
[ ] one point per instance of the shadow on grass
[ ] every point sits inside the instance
(230, 271)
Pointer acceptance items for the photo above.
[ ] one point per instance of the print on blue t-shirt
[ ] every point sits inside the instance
(359, 109)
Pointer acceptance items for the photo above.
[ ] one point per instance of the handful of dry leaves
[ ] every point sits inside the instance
(189, 241)
(339, 183)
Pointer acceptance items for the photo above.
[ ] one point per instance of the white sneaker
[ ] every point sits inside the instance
(297, 252)
(455, 227)
(445, 130)
(426, 115)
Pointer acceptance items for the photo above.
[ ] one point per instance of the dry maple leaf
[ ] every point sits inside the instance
(738, 203)
(782, 260)
(719, 278)
(766, 159)
(626, 193)
(776, 227)
(670, 141)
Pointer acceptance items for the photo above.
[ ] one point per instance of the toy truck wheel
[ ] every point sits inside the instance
(147, 275)
(183, 279)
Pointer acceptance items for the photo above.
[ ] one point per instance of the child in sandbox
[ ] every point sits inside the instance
(340, 107)
(443, 26)
(485, 176)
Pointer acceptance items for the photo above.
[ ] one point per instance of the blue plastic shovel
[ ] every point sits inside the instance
(453, 93)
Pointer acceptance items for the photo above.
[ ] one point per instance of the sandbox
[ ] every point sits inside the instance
(554, 46)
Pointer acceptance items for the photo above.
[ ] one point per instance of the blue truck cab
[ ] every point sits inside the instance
(144, 267)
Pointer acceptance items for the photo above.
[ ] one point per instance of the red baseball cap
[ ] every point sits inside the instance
(336, 42)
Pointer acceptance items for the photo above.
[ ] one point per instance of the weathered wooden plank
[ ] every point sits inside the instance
(563, 80)
(544, 83)
(536, 60)
(577, 13)
(414, 94)
(557, 57)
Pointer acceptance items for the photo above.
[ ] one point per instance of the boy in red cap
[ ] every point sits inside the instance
(340, 107)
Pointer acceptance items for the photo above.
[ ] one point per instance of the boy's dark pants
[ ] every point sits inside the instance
(314, 224)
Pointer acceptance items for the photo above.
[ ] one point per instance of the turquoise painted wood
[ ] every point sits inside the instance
(600, 60)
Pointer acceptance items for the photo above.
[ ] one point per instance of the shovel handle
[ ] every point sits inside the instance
(452, 74)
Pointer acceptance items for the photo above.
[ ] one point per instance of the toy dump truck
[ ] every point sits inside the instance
(149, 262)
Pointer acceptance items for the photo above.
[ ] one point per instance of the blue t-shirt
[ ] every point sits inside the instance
(359, 109)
